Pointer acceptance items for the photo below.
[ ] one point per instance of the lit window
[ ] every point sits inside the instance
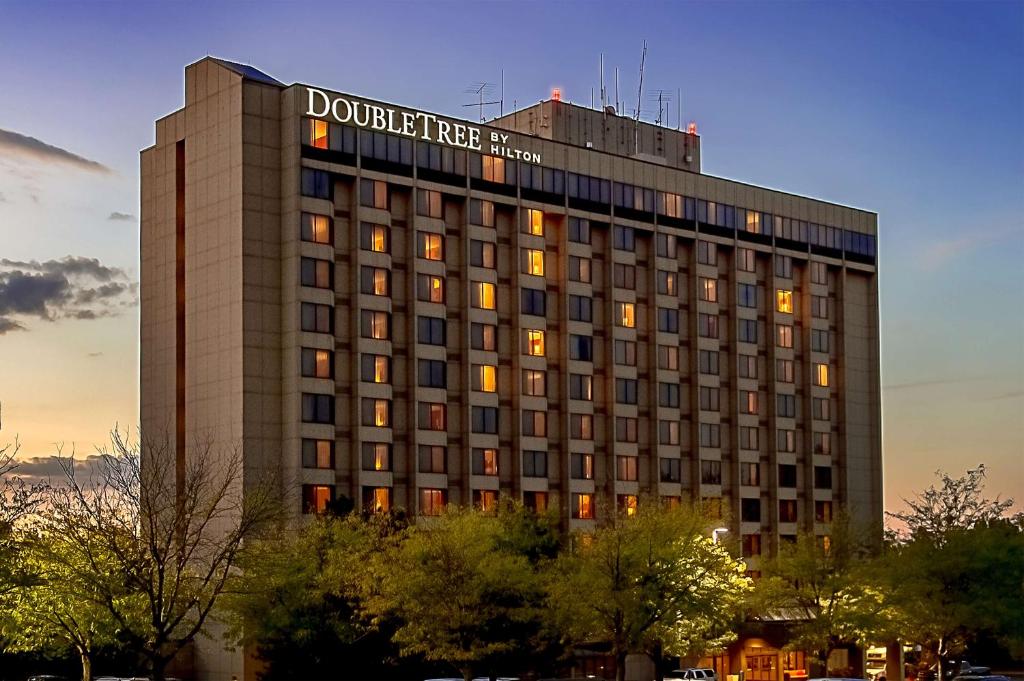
(583, 506)
(784, 300)
(483, 295)
(821, 374)
(380, 500)
(784, 335)
(374, 194)
(627, 502)
(533, 261)
(380, 369)
(316, 498)
(378, 325)
(535, 222)
(708, 289)
(323, 364)
(494, 169)
(374, 238)
(429, 203)
(626, 315)
(430, 288)
(381, 413)
(486, 378)
(317, 363)
(485, 462)
(431, 246)
(486, 500)
(432, 501)
(380, 282)
(316, 228)
(535, 343)
(317, 454)
(318, 134)
(534, 383)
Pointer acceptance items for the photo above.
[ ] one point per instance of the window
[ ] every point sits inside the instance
(625, 390)
(433, 373)
(750, 474)
(625, 353)
(707, 253)
(624, 238)
(708, 362)
(433, 415)
(535, 501)
(485, 378)
(784, 301)
(535, 343)
(375, 281)
(534, 222)
(429, 246)
(430, 288)
(787, 406)
(485, 461)
(582, 506)
(376, 238)
(483, 336)
(316, 498)
(710, 435)
(668, 357)
(375, 368)
(533, 262)
(316, 183)
(750, 510)
(432, 501)
(317, 363)
(819, 307)
(784, 370)
(317, 408)
(712, 507)
(482, 295)
(374, 324)
(626, 468)
(668, 320)
(668, 245)
(486, 500)
(822, 443)
(784, 335)
(534, 383)
(751, 545)
(820, 407)
(746, 295)
(493, 168)
(431, 330)
(376, 412)
(318, 133)
(581, 466)
(581, 387)
(819, 273)
(745, 259)
(481, 212)
(748, 437)
(784, 266)
(748, 402)
(535, 464)
(317, 453)
(625, 429)
(316, 228)
(376, 456)
(711, 472)
(428, 203)
(534, 302)
(707, 289)
(581, 309)
(581, 348)
(624, 276)
(481, 254)
(668, 432)
(535, 423)
(625, 315)
(821, 375)
(786, 440)
(374, 194)
(709, 398)
(746, 330)
(317, 273)
(787, 510)
(579, 269)
(670, 471)
(747, 366)
(787, 475)
(670, 205)
(581, 426)
(823, 511)
(707, 325)
(432, 458)
(484, 419)
(667, 283)
(822, 477)
(579, 230)
(668, 395)
(819, 340)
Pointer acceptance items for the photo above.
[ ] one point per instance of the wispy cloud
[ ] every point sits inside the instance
(941, 252)
(41, 468)
(31, 148)
(73, 287)
(909, 385)
(119, 217)
(1013, 394)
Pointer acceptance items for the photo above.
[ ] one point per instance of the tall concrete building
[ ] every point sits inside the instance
(411, 310)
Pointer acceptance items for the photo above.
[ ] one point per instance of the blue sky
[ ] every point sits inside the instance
(912, 110)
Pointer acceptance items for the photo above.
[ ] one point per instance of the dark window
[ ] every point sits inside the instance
(750, 510)
(535, 423)
(481, 254)
(668, 394)
(433, 373)
(431, 330)
(822, 477)
(533, 302)
(579, 230)
(483, 336)
(535, 464)
(581, 387)
(625, 390)
(787, 510)
(317, 408)
(581, 348)
(318, 318)
(787, 406)
(581, 466)
(433, 459)
(711, 472)
(485, 419)
(668, 320)
(709, 362)
(787, 475)
(670, 471)
(581, 308)
(316, 183)
(747, 331)
(625, 240)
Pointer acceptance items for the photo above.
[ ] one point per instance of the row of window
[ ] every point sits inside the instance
(711, 474)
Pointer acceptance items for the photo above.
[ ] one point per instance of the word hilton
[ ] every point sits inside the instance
(417, 124)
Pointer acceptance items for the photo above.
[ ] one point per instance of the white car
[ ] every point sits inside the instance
(692, 674)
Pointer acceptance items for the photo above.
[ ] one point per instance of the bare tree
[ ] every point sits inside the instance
(159, 537)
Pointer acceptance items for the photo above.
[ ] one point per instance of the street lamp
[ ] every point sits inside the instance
(717, 531)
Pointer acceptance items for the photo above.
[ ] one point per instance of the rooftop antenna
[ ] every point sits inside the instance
(679, 109)
(639, 91)
(501, 106)
(482, 91)
(617, 109)
(604, 94)
(663, 98)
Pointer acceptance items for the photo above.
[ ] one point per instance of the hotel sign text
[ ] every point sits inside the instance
(418, 125)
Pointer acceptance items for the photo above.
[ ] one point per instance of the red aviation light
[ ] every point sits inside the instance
(556, 94)
(691, 129)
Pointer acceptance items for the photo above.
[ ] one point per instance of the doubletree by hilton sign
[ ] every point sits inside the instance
(418, 125)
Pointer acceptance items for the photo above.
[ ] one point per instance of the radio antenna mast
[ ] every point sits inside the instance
(618, 111)
(604, 97)
(639, 91)
(482, 91)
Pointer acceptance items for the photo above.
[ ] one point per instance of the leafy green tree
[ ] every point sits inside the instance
(17, 501)
(647, 581)
(829, 592)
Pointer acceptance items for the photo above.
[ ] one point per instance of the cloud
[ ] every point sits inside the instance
(941, 381)
(95, 354)
(73, 287)
(121, 217)
(1013, 394)
(40, 468)
(34, 149)
(941, 252)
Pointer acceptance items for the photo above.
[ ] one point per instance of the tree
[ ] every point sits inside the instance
(457, 593)
(168, 535)
(645, 581)
(828, 591)
(18, 499)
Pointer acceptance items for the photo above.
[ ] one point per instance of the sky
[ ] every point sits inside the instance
(911, 110)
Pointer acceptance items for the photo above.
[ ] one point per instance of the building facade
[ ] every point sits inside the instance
(411, 310)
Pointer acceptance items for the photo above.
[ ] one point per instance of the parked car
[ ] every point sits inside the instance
(47, 677)
(692, 674)
(982, 677)
(965, 668)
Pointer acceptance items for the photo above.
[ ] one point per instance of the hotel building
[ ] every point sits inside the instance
(411, 310)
